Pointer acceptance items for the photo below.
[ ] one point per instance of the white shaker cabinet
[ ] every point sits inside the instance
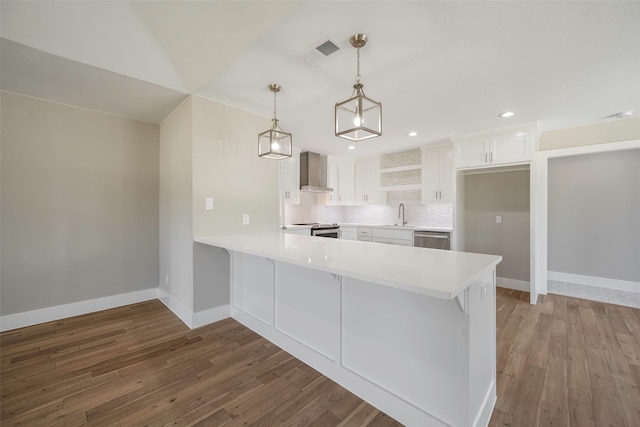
(437, 175)
(346, 181)
(349, 232)
(290, 178)
(367, 182)
(496, 149)
(365, 234)
(392, 236)
(340, 177)
(332, 181)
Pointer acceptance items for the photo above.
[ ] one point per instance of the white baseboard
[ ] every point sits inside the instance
(49, 314)
(211, 315)
(179, 309)
(518, 285)
(191, 319)
(600, 282)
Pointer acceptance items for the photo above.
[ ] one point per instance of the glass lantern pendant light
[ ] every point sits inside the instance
(359, 117)
(274, 143)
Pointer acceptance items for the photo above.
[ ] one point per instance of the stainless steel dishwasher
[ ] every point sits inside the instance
(432, 239)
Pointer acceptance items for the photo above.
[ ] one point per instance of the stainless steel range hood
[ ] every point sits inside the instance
(313, 173)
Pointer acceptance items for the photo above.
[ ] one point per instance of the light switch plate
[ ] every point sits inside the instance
(498, 219)
(208, 203)
(245, 219)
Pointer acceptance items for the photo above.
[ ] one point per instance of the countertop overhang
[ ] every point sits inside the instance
(436, 273)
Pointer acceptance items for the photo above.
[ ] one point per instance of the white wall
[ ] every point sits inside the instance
(175, 204)
(209, 150)
(79, 205)
(226, 167)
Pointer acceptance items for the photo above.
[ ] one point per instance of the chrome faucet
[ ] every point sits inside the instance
(401, 209)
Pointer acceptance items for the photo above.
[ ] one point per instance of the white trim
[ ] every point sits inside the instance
(177, 307)
(540, 210)
(518, 285)
(188, 317)
(210, 315)
(48, 314)
(599, 282)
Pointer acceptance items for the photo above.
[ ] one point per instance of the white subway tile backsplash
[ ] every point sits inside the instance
(430, 215)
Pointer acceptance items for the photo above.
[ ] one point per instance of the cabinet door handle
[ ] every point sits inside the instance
(491, 157)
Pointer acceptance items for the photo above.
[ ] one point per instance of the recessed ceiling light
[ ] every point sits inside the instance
(412, 133)
(351, 147)
(507, 114)
(624, 114)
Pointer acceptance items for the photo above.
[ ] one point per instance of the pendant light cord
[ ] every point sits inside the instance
(358, 66)
(275, 114)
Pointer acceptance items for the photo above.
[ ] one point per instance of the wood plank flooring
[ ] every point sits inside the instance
(566, 362)
(562, 362)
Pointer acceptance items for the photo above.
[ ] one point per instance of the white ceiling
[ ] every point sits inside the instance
(440, 68)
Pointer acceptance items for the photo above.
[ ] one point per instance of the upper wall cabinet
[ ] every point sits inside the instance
(368, 182)
(290, 178)
(437, 175)
(340, 177)
(506, 146)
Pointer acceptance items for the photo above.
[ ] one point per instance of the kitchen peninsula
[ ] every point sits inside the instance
(410, 330)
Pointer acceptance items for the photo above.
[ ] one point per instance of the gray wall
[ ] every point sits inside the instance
(79, 204)
(506, 194)
(594, 215)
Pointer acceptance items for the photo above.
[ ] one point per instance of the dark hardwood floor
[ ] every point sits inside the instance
(563, 362)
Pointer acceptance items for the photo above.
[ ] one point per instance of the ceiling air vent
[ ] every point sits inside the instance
(317, 53)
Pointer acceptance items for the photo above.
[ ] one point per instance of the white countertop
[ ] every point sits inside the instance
(437, 273)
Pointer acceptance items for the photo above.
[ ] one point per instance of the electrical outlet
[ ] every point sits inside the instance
(245, 219)
(498, 219)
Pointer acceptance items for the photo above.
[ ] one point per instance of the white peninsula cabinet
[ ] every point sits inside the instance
(367, 172)
(437, 175)
(290, 178)
(496, 148)
(411, 331)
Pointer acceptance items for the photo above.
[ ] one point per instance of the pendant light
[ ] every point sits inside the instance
(274, 143)
(359, 117)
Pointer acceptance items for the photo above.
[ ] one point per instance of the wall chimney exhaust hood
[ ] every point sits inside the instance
(313, 173)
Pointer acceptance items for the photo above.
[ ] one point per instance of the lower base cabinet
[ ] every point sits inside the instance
(348, 233)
